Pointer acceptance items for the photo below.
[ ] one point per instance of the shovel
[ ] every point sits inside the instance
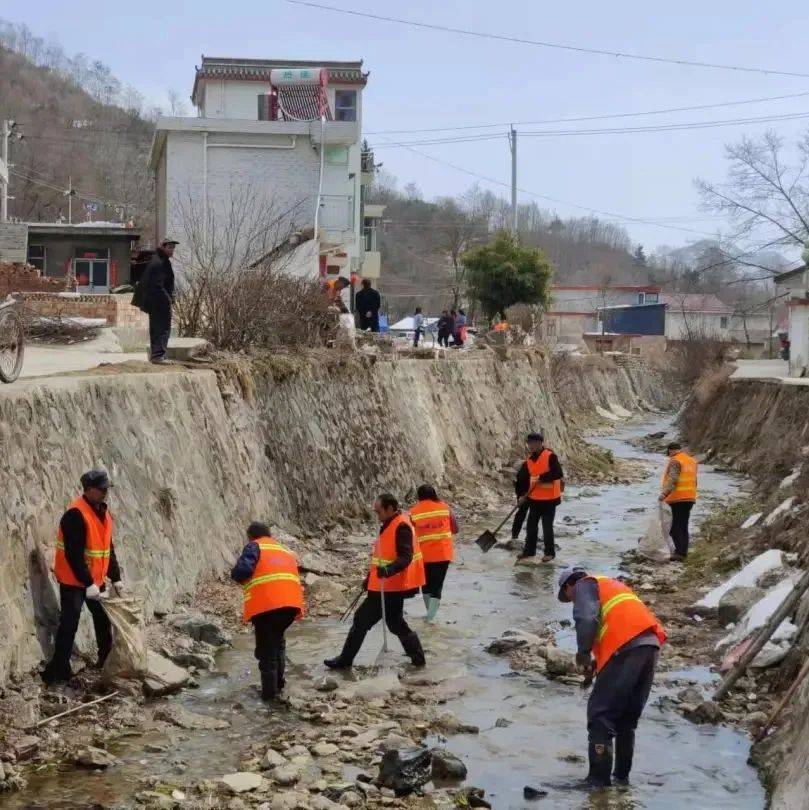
(488, 539)
(384, 649)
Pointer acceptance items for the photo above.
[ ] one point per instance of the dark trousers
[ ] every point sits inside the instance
(544, 511)
(680, 513)
(369, 613)
(436, 573)
(71, 600)
(620, 693)
(443, 339)
(416, 337)
(159, 330)
(519, 519)
(271, 645)
(369, 322)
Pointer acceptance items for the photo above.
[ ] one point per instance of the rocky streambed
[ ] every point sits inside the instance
(497, 710)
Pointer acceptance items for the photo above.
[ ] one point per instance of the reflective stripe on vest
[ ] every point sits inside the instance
(686, 487)
(432, 521)
(97, 547)
(384, 553)
(542, 490)
(623, 617)
(275, 582)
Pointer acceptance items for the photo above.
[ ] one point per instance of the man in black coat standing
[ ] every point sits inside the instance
(367, 303)
(154, 295)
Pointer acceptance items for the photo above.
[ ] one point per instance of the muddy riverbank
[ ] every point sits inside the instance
(510, 724)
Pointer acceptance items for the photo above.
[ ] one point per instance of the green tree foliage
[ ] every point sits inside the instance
(504, 272)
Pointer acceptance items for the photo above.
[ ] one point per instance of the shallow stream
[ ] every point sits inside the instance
(677, 764)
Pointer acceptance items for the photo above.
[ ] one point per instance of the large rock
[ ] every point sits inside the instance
(90, 757)
(405, 769)
(705, 712)
(559, 662)
(162, 676)
(736, 602)
(182, 718)
(447, 766)
(202, 628)
(242, 782)
(286, 775)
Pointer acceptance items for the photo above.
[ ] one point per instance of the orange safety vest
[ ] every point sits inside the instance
(686, 487)
(275, 583)
(384, 553)
(433, 525)
(623, 617)
(97, 547)
(540, 490)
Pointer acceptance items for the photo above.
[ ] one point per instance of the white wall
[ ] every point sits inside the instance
(229, 99)
(590, 300)
(799, 338)
(758, 327)
(699, 323)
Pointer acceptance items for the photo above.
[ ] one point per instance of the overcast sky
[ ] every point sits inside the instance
(424, 78)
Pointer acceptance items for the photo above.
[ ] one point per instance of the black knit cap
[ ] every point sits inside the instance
(95, 479)
(534, 437)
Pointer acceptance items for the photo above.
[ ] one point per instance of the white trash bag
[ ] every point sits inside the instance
(128, 657)
(655, 543)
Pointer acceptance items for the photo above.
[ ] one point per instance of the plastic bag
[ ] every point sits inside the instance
(656, 544)
(128, 657)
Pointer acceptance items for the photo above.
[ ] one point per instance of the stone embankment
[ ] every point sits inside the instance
(761, 427)
(300, 442)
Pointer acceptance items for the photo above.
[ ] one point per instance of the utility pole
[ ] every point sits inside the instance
(512, 139)
(6, 136)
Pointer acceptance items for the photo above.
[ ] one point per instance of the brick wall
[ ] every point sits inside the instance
(115, 309)
(15, 277)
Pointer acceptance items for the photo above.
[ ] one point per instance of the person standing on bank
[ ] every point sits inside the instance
(396, 574)
(273, 599)
(85, 557)
(679, 490)
(367, 303)
(539, 485)
(435, 527)
(619, 638)
(154, 295)
(418, 326)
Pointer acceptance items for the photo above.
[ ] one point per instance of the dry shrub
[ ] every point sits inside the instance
(56, 328)
(258, 307)
(693, 357)
(710, 383)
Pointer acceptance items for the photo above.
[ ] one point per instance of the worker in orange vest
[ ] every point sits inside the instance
(435, 527)
(539, 486)
(679, 490)
(396, 573)
(85, 557)
(273, 599)
(619, 638)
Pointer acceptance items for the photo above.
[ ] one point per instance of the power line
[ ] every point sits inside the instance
(607, 214)
(554, 45)
(580, 118)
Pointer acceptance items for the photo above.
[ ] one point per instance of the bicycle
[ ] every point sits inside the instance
(12, 341)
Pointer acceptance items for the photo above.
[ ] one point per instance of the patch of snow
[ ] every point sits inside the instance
(771, 654)
(760, 613)
(751, 521)
(607, 414)
(619, 410)
(747, 577)
(779, 510)
(790, 479)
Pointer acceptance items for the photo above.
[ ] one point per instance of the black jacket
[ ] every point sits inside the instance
(156, 287)
(446, 324)
(367, 301)
(523, 480)
(74, 533)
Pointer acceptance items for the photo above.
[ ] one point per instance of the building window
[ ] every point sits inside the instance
(640, 298)
(336, 154)
(723, 322)
(650, 298)
(345, 105)
(265, 107)
(36, 257)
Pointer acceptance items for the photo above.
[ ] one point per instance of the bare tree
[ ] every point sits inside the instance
(177, 106)
(456, 230)
(764, 190)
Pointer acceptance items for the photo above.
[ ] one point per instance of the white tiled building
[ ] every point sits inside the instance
(259, 127)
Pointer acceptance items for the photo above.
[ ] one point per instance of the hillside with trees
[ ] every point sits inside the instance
(80, 124)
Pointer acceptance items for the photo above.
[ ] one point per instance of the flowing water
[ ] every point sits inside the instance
(676, 763)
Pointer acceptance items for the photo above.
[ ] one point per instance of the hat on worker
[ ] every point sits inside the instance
(565, 575)
(95, 479)
(534, 437)
(168, 241)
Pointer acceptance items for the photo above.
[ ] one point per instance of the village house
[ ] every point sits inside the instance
(287, 131)
(794, 286)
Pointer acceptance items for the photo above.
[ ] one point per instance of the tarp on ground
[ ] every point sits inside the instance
(407, 324)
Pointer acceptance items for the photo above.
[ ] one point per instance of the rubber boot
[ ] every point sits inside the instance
(426, 597)
(269, 682)
(432, 608)
(351, 647)
(412, 646)
(624, 751)
(600, 755)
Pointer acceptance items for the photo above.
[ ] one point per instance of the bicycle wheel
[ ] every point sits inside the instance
(12, 345)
